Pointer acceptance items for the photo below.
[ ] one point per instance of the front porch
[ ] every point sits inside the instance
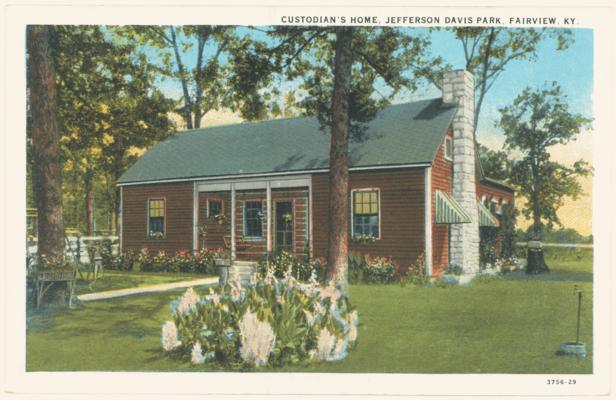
(252, 218)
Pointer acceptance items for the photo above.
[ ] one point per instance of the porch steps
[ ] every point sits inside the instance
(244, 269)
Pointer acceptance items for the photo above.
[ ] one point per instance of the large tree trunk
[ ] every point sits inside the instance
(535, 261)
(338, 246)
(89, 202)
(46, 167)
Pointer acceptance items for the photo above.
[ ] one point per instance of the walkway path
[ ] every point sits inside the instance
(110, 294)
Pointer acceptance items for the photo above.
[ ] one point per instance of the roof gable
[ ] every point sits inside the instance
(400, 134)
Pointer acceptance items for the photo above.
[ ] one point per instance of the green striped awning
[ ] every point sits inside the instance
(486, 218)
(448, 211)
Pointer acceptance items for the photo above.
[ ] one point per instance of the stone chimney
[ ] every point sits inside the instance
(464, 240)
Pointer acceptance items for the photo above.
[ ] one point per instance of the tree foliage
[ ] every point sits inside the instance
(533, 123)
(495, 164)
(109, 112)
(204, 83)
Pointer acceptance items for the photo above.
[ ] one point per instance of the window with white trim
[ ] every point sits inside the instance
(156, 218)
(366, 206)
(214, 208)
(253, 216)
(448, 148)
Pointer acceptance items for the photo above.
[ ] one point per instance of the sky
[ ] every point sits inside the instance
(572, 69)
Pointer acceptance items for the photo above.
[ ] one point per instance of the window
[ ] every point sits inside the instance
(366, 213)
(156, 218)
(253, 215)
(214, 208)
(448, 148)
(494, 205)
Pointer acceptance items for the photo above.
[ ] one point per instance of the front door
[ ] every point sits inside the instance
(283, 230)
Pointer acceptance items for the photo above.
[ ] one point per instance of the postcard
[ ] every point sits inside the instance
(296, 200)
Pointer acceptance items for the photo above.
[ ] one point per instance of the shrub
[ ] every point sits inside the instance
(454, 269)
(505, 265)
(366, 269)
(284, 262)
(487, 246)
(416, 273)
(485, 278)
(270, 322)
(379, 270)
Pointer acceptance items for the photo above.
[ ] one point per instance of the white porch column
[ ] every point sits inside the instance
(233, 221)
(195, 244)
(428, 220)
(121, 219)
(309, 216)
(268, 192)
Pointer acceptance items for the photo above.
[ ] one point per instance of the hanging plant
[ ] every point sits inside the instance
(287, 218)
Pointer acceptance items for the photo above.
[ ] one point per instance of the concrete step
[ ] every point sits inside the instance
(244, 269)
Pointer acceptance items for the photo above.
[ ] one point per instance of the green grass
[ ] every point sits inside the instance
(121, 280)
(503, 326)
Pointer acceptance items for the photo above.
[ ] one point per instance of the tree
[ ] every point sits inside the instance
(495, 164)
(338, 69)
(338, 243)
(107, 104)
(46, 176)
(203, 86)
(533, 123)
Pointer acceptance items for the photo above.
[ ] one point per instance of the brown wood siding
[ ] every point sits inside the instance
(442, 179)
(215, 232)
(402, 213)
(178, 217)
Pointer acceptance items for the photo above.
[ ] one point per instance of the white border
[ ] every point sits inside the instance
(598, 15)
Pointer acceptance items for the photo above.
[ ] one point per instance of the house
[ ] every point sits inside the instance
(261, 187)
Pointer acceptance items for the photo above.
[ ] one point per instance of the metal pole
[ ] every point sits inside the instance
(577, 335)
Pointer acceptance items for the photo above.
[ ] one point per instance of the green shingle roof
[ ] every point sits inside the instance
(400, 134)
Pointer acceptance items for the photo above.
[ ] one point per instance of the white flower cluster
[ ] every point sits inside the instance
(169, 336)
(197, 356)
(188, 302)
(330, 292)
(257, 338)
(237, 292)
(330, 347)
(212, 297)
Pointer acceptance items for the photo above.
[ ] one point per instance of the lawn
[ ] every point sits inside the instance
(512, 325)
(112, 280)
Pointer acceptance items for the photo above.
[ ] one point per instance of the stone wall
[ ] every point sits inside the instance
(458, 89)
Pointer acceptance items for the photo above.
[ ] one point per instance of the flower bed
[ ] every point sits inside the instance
(366, 269)
(270, 322)
(204, 262)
